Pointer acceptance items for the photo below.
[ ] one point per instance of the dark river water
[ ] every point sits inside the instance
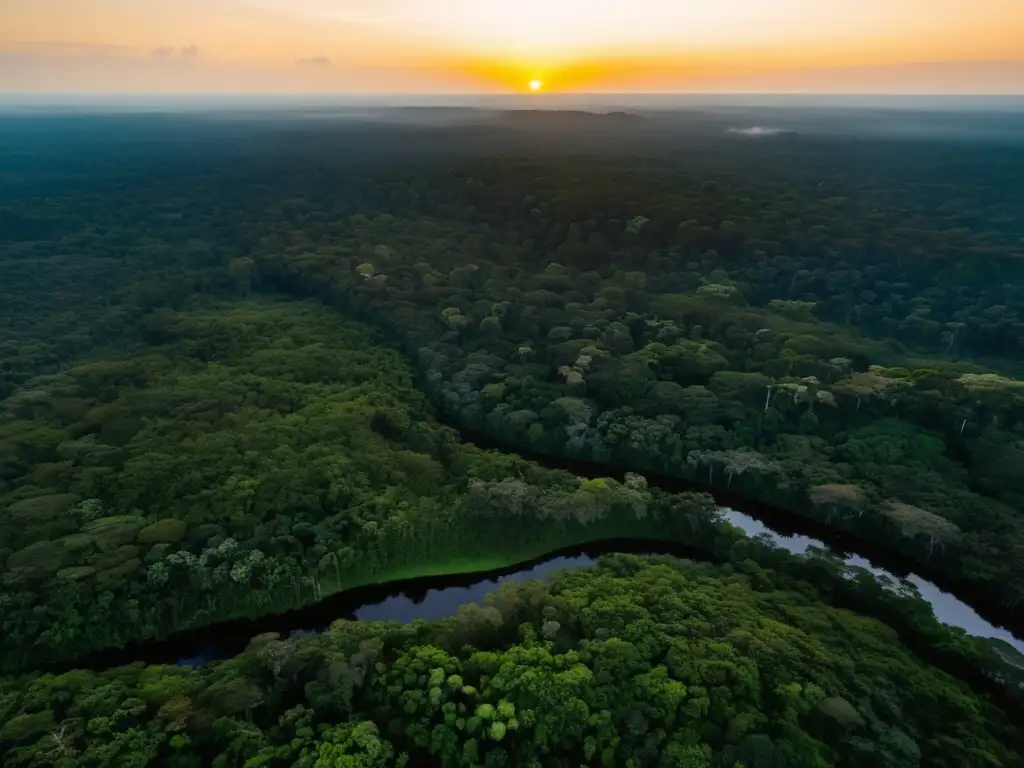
(445, 601)
(440, 597)
(947, 608)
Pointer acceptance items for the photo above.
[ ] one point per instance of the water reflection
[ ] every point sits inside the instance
(444, 602)
(416, 599)
(947, 608)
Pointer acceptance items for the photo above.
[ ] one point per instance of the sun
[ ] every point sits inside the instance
(536, 85)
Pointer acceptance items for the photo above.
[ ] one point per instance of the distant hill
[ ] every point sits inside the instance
(567, 117)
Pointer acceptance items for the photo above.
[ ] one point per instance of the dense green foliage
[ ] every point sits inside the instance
(838, 307)
(652, 320)
(639, 662)
(255, 455)
(829, 328)
(84, 253)
(262, 454)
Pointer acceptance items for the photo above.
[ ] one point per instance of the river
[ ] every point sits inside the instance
(443, 602)
(440, 597)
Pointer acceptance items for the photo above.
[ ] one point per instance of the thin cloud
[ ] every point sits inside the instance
(314, 61)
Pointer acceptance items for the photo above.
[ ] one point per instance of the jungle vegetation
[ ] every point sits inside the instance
(814, 346)
(225, 349)
(637, 662)
(255, 455)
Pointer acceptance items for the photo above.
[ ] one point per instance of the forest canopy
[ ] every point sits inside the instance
(640, 661)
(238, 361)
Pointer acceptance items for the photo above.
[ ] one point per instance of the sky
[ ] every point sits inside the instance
(499, 46)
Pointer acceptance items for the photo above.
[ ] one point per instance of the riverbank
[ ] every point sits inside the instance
(465, 379)
(628, 633)
(436, 505)
(406, 600)
(782, 521)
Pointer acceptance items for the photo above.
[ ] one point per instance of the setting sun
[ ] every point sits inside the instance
(535, 47)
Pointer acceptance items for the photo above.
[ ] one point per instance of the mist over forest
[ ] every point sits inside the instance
(259, 354)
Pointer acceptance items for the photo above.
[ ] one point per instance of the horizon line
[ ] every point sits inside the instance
(521, 94)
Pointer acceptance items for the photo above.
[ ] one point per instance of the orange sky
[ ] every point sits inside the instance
(424, 46)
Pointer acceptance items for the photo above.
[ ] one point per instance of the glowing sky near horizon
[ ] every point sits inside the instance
(488, 45)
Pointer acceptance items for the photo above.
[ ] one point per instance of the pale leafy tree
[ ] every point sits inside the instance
(839, 366)
(836, 498)
(158, 574)
(573, 377)
(276, 653)
(635, 482)
(505, 497)
(915, 521)
(827, 398)
(550, 628)
(876, 382)
(717, 291)
(240, 573)
(796, 392)
(734, 462)
(741, 462)
(706, 458)
(993, 390)
(989, 382)
(997, 393)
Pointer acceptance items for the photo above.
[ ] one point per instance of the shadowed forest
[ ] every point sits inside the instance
(239, 354)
